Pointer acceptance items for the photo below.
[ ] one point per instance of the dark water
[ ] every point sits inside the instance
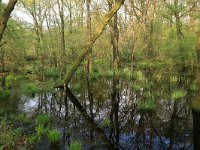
(167, 126)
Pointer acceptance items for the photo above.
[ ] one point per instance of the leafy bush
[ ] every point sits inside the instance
(51, 72)
(128, 73)
(53, 136)
(138, 75)
(148, 104)
(23, 118)
(76, 145)
(29, 68)
(173, 79)
(4, 94)
(178, 94)
(136, 87)
(8, 135)
(11, 80)
(109, 74)
(193, 87)
(30, 89)
(41, 131)
(95, 75)
(42, 120)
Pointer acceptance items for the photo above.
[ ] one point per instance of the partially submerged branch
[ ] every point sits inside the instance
(88, 119)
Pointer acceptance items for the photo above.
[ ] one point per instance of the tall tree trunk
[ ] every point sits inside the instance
(115, 83)
(89, 69)
(62, 24)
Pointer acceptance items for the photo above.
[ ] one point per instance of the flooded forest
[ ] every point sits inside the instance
(99, 75)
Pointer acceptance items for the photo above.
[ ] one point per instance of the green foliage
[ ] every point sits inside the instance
(11, 80)
(42, 120)
(136, 87)
(128, 73)
(76, 145)
(109, 74)
(148, 104)
(46, 87)
(40, 132)
(178, 94)
(53, 136)
(193, 87)
(8, 135)
(30, 89)
(139, 76)
(23, 118)
(31, 140)
(77, 88)
(95, 75)
(106, 122)
(29, 68)
(173, 79)
(4, 94)
(51, 72)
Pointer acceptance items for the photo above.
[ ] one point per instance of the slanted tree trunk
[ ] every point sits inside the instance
(86, 49)
(89, 121)
(4, 17)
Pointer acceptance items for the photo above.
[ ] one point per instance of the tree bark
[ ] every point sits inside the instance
(89, 68)
(5, 16)
(61, 14)
(115, 65)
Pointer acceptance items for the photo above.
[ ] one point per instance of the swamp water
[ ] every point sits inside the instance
(167, 126)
